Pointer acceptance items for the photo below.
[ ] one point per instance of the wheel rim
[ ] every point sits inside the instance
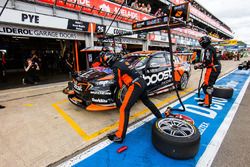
(176, 127)
(122, 93)
(184, 81)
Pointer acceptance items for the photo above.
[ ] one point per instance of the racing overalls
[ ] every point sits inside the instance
(213, 65)
(126, 74)
(97, 62)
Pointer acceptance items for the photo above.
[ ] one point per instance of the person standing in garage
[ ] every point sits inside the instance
(125, 74)
(213, 69)
(2, 66)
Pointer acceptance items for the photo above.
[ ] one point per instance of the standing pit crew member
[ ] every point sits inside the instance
(126, 74)
(213, 69)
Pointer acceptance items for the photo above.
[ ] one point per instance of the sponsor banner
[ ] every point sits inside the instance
(228, 42)
(33, 19)
(126, 41)
(158, 43)
(118, 31)
(38, 32)
(78, 25)
(101, 8)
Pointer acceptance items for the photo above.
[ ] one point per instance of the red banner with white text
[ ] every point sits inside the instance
(101, 8)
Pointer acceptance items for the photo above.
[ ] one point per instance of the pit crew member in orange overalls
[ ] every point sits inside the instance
(98, 60)
(126, 74)
(213, 69)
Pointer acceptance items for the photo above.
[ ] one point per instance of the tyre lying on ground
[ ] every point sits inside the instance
(244, 66)
(223, 92)
(175, 138)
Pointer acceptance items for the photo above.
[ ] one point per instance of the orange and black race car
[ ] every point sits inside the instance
(95, 90)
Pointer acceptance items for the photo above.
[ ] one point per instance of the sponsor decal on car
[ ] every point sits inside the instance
(79, 88)
(99, 100)
(105, 92)
(164, 75)
(104, 83)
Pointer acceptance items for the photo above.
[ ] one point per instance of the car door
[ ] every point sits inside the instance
(157, 71)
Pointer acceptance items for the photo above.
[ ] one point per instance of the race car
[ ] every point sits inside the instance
(95, 90)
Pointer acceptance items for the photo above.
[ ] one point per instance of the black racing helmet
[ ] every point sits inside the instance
(105, 49)
(205, 41)
(108, 59)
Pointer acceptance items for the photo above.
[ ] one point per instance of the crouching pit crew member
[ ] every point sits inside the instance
(99, 59)
(126, 74)
(213, 69)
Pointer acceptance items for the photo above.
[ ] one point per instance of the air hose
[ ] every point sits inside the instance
(173, 73)
(199, 85)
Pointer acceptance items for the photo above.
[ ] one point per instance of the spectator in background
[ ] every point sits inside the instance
(143, 8)
(135, 4)
(148, 8)
(124, 50)
(139, 6)
(158, 13)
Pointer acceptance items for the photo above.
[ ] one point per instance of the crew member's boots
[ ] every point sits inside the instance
(114, 138)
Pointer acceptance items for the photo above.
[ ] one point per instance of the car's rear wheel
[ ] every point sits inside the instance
(183, 82)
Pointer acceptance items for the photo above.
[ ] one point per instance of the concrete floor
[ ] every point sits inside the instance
(39, 126)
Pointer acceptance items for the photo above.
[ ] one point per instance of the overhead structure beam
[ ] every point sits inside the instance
(4, 7)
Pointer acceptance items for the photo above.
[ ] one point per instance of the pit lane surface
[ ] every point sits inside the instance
(34, 132)
(212, 123)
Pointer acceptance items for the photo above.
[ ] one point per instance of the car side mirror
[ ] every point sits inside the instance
(154, 66)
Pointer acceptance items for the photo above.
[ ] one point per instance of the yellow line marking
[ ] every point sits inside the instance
(28, 105)
(87, 137)
(71, 122)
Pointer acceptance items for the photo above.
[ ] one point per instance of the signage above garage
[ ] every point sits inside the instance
(33, 19)
(78, 25)
(28, 31)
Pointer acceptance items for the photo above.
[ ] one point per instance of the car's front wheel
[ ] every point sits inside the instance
(119, 95)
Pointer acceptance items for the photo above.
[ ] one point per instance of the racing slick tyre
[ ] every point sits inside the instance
(175, 138)
(223, 92)
(183, 82)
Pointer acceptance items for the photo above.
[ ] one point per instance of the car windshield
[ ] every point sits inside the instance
(137, 60)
